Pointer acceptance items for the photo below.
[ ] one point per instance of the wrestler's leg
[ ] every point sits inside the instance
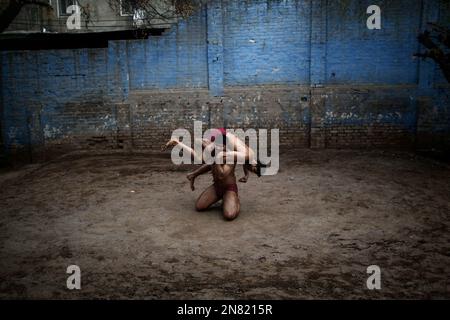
(247, 169)
(231, 205)
(207, 199)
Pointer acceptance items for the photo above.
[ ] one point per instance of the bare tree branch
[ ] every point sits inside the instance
(437, 42)
(166, 11)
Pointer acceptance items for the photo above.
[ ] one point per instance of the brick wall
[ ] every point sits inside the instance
(434, 101)
(155, 114)
(356, 54)
(309, 68)
(3, 159)
(177, 59)
(266, 42)
(433, 121)
(45, 95)
(365, 116)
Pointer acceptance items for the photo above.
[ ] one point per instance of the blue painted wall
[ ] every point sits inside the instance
(229, 43)
(43, 83)
(177, 59)
(266, 42)
(356, 54)
(444, 19)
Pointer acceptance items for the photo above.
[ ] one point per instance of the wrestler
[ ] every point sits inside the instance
(245, 153)
(237, 150)
(224, 186)
(205, 168)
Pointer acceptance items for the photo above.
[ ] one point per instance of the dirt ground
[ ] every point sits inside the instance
(128, 221)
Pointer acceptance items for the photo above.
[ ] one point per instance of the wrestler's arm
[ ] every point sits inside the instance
(202, 170)
(173, 143)
(193, 175)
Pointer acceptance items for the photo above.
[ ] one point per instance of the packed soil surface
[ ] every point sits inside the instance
(129, 222)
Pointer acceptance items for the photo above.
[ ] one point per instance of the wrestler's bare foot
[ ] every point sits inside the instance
(191, 179)
(243, 179)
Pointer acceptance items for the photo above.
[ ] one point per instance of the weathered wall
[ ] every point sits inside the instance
(102, 18)
(310, 68)
(155, 114)
(3, 159)
(434, 102)
(178, 59)
(266, 42)
(53, 95)
(356, 54)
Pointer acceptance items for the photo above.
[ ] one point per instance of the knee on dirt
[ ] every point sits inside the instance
(230, 215)
(200, 207)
